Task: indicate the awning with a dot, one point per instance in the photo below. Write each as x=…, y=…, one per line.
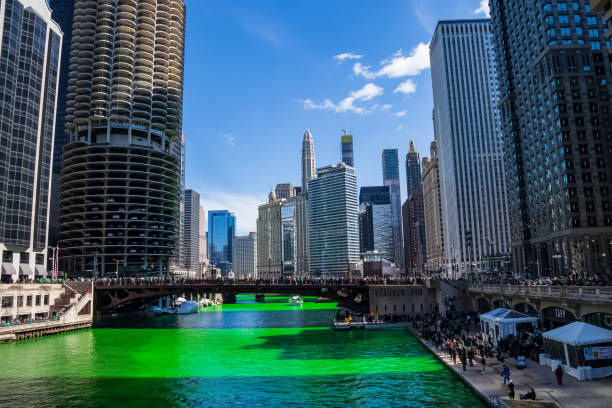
x=41, y=270
x=579, y=334
x=25, y=270
x=8, y=269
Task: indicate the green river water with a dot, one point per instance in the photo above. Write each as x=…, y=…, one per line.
x=242, y=355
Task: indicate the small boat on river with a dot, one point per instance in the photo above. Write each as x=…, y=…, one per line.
x=295, y=301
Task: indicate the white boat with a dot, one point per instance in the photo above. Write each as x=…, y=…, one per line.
x=188, y=306
x=295, y=300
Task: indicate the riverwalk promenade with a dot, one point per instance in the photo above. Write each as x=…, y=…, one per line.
x=573, y=393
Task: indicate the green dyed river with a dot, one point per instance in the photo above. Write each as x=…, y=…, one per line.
x=244, y=355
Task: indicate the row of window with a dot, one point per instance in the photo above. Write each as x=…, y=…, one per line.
x=8, y=302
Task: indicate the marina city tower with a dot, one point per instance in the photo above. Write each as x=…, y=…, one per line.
x=120, y=178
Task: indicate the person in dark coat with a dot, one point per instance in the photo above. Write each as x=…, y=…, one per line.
x=559, y=375
x=531, y=395
x=511, y=389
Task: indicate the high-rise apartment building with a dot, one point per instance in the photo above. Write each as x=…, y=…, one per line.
x=474, y=208
x=284, y=191
x=120, y=190
x=191, y=228
x=308, y=160
x=269, y=238
x=221, y=232
x=245, y=256
x=391, y=178
x=554, y=75
x=375, y=221
x=30, y=46
x=62, y=12
x=346, y=144
x=432, y=203
x=178, y=150
x=333, y=220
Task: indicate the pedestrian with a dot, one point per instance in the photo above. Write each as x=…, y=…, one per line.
x=511, y=389
x=559, y=374
x=471, y=356
x=484, y=363
x=506, y=374
x=531, y=395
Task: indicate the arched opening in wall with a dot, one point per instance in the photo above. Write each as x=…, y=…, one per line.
x=526, y=308
x=483, y=305
x=553, y=317
x=599, y=319
x=500, y=303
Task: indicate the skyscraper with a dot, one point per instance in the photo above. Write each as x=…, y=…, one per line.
x=284, y=190
x=308, y=160
x=221, y=232
x=294, y=232
x=347, y=150
x=62, y=12
x=391, y=178
x=269, y=238
x=30, y=45
x=413, y=215
x=120, y=188
x=191, y=238
x=333, y=220
x=413, y=170
x=245, y=255
x=472, y=182
x=178, y=150
x=432, y=202
x=556, y=121
x=375, y=221
x=203, y=244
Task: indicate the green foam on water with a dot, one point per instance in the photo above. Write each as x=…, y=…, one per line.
x=259, y=307
x=211, y=353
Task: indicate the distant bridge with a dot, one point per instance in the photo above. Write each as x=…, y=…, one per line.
x=117, y=296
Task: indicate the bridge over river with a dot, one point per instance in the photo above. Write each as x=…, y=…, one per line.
x=115, y=296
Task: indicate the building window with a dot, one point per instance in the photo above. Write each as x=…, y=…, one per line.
x=29, y=300
x=46, y=299
x=7, y=302
x=37, y=302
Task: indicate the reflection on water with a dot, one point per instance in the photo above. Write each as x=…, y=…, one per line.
x=241, y=355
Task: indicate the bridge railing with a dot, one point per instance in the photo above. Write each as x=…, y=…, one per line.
x=587, y=293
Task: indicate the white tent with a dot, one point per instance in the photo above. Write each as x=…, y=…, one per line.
x=584, y=350
x=500, y=323
x=579, y=334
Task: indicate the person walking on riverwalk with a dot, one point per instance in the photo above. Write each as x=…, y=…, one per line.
x=470, y=355
x=484, y=363
x=506, y=374
x=559, y=375
x=463, y=357
x=511, y=389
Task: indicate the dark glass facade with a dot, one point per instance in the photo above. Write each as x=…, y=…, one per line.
x=29, y=63
x=221, y=232
x=347, y=150
x=554, y=80
x=62, y=12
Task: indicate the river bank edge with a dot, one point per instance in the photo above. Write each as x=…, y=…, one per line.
x=466, y=381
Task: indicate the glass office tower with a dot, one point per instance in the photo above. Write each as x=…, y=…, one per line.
x=391, y=178
x=221, y=232
x=30, y=45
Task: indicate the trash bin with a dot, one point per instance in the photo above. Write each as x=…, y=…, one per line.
x=521, y=363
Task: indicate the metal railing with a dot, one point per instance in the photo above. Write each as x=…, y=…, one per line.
x=594, y=293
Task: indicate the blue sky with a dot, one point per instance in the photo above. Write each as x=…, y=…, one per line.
x=258, y=73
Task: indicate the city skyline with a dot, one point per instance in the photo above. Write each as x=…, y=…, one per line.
x=287, y=78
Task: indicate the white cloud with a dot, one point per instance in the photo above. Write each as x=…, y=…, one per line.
x=386, y=107
x=483, y=9
x=398, y=65
x=347, y=56
x=364, y=71
x=408, y=87
x=243, y=206
x=400, y=114
x=400, y=127
x=368, y=92
x=228, y=139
